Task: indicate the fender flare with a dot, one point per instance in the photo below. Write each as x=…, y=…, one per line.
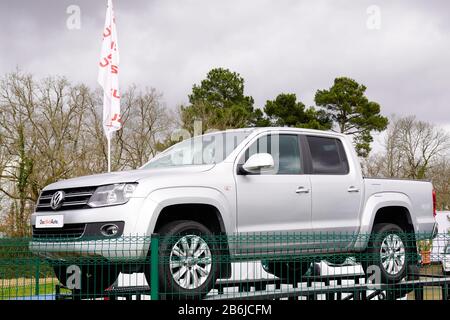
x=165, y=197
x=373, y=205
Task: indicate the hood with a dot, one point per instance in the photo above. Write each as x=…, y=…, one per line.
x=123, y=177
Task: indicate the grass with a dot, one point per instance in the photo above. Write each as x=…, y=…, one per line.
x=27, y=288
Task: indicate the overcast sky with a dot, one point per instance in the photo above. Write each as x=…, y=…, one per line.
x=277, y=46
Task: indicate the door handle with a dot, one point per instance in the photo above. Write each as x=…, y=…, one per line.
x=353, y=189
x=302, y=190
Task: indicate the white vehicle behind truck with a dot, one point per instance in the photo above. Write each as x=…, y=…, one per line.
x=247, y=181
x=445, y=260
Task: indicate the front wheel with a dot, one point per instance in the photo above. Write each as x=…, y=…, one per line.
x=189, y=259
x=387, y=252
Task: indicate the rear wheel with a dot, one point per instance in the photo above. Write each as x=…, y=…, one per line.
x=189, y=260
x=389, y=252
x=88, y=279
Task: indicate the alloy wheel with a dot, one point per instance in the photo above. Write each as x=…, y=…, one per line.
x=190, y=262
x=393, y=254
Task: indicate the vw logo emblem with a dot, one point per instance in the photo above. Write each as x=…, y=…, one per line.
x=57, y=200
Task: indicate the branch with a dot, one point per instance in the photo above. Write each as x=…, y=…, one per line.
x=9, y=195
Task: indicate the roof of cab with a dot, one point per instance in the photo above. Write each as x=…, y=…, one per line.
x=257, y=130
x=262, y=129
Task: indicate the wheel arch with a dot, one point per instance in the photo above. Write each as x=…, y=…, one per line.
x=209, y=216
x=205, y=214
x=386, y=207
x=203, y=205
x=398, y=215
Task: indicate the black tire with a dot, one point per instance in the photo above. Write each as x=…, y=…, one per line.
x=171, y=235
x=372, y=255
x=288, y=271
x=95, y=279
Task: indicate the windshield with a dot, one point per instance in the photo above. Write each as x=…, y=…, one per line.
x=207, y=149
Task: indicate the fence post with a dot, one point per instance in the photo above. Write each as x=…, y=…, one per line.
x=154, y=264
x=36, y=276
x=418, y=292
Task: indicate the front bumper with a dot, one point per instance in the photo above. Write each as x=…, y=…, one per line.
x=81, y=231
x=131, y=244
x=125, y=248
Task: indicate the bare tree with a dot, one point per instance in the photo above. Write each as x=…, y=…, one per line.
x=440, y=175
x=373, y=166
x=393, y=160
x=410, y=148
x=52, y=130
x=16, y=94
x=416, y=150
x=146, y=121
x=420, y=143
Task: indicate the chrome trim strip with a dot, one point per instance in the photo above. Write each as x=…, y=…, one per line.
x=74, y=203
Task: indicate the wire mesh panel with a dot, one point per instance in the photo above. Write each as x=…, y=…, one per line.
x=388, y=264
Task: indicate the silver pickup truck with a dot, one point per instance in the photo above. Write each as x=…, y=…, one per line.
x=267, y=181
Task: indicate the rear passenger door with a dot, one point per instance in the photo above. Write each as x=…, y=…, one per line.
x=336, y=190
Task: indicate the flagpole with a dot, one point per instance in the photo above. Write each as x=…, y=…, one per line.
x=108, y=78
x=109, y=152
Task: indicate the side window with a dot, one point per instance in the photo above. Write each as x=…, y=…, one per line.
x=284, y=149
x=327, y=155
x=343, y=157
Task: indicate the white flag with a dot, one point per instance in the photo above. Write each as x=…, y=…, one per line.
x=108, y=75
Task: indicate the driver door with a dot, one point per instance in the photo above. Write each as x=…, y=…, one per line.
x=278, y=201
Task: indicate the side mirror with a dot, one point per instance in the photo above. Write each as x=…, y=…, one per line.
x=258, y=162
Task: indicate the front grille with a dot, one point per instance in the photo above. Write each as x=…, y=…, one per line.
x=69, y=231
x=75, y=198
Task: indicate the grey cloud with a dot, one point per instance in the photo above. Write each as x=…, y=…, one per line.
x=277, y=46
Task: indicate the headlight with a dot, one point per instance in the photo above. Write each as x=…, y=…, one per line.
x=112, y=195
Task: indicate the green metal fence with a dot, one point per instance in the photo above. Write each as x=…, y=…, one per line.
x=390, y=265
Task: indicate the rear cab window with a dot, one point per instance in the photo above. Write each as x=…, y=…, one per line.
x=327, y=156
